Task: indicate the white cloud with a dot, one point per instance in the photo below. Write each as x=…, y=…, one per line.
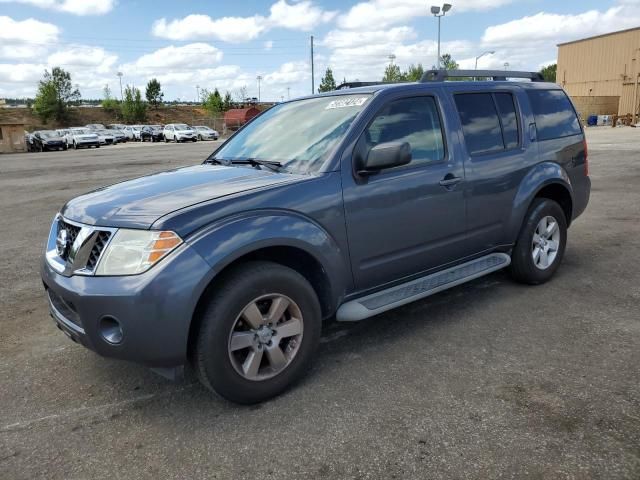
x=290, y=72
x=21, y=72
x=27, y=31
x=75, y=7
x=554, y=28
x=82, y=56
x=268, y=45
x=228, y=29
x=192, y=56
x=353, y=39
x=384, y=13
x=303, y=15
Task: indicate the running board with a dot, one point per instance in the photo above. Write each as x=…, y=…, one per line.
x=393, y=297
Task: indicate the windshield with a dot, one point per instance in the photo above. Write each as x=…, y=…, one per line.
x=48, y=134
x=181, y=126
x=82, y=131
x=300, y=134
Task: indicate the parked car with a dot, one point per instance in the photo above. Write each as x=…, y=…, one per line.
x=206, y=133
x=151, y=133
x=46, y=140
x=379, y=196
x=119, y=136
x=179, y=132
x=96, y=126
x=132, y=132
x=82, y=137
x=106, y=136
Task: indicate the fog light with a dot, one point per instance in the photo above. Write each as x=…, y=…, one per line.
x=111, y=330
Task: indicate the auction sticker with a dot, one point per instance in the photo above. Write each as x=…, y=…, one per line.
x=347, y=102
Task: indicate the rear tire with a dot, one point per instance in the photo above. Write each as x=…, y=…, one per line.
x=283, y=355
x=541, y=243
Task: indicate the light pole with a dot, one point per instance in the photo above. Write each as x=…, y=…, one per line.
x=120, y=76
x=391, y=58
x=259, y=78
x=490, y=52
x=506, y=66
x=197, y=93
x=288, y=93
x=440, y=12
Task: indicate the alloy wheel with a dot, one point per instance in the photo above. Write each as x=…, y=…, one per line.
x=265, y=337
x=545, y=243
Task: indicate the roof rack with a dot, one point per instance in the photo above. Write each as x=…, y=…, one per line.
x=496, y=75
x=347, y=85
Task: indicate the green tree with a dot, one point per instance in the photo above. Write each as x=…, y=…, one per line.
x=212, y=102
x=328, y=83
x=392, y=74
x=448, y=63
x=154, y=93
x=549, y=72
x=227, y=103
x=134, y=109
x=414, y=73
x=109, y=104
x=55, y=94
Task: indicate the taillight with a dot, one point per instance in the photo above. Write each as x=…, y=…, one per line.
x=586, y=158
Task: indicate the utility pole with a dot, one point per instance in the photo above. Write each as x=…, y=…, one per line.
x=259, y=78
x=391, y=58
x=197, y=93
x=288, y=93
x=313, y=82
x=121, y=96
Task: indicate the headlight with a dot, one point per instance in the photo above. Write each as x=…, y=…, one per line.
x=135, y=251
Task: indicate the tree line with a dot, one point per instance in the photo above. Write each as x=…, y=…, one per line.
x=394, y=74
x=56, y=95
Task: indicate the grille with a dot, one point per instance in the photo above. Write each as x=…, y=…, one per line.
x=72, y=232
x=101, y=241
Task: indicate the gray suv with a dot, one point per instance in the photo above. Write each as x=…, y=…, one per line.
x=343, y=205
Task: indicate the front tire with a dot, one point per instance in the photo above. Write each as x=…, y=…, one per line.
x=258, y=333
x=541, y=243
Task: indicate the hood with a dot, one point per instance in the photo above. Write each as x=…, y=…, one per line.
x=185, y=132
x=54, y=139
x=140, y=202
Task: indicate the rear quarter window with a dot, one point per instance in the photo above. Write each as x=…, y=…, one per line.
x=554, y=114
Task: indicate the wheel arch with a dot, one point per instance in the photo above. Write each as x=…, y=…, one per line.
x=545, y=180
x=285, y=239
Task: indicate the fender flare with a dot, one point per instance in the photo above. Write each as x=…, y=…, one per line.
x=227, y=240
x=539, y=177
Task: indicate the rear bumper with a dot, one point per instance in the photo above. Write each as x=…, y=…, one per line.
x=154, y=310
x=581, y=194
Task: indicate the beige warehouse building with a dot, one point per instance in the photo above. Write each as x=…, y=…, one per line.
x=602, y=73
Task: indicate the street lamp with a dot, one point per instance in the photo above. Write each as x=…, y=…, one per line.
x=506, y=66
x=197, y=93
x=120, y=76
x=440, y=12
x=490, y=52
x=259, y=78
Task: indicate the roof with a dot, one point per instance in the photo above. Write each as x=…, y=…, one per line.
x=599, y=36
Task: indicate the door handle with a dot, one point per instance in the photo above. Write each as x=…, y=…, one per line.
x=450, y=181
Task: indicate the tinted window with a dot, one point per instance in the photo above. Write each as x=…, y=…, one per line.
x=507, y=110
x=554, y=114
x=412, y=120
x=480, y=122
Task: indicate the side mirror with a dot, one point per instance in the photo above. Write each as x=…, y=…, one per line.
x=386, y=155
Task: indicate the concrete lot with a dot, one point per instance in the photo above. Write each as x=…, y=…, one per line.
x=488, y=380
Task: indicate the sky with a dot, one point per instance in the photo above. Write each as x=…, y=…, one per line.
x=226, y=44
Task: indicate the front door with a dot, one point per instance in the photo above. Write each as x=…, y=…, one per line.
x=408, y=219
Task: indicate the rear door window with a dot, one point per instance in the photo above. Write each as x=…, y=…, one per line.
x=554, y=114
x=508, y=118
x=480, y=122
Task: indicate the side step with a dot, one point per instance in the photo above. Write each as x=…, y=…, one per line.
x=393, y=297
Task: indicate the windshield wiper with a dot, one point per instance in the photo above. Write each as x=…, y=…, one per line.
x=254, y=162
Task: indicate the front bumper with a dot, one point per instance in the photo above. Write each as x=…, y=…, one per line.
x=154, y=309
x=87, y=143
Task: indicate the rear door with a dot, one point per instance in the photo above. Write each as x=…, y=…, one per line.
x=496, y=160
x=407, y=219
